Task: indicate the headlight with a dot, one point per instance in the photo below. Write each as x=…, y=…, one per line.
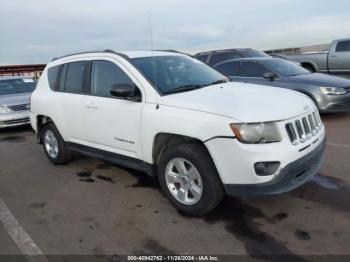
x=4, y=109
x=333, y=90
x=258, y=133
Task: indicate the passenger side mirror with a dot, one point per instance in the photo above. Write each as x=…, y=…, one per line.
x=270, y=76
x=126, y=91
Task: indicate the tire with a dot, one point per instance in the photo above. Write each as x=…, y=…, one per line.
x=62, y=155
x=193, y=155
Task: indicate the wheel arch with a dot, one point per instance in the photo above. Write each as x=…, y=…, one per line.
x=162, y=141
x=309, y=65
x=41, y=121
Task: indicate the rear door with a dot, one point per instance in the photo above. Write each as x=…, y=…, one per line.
x=339, y=58
x=71, y=91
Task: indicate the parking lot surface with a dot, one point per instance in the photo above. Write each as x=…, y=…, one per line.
x=92, y=207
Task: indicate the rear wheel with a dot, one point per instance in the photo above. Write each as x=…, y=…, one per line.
x=54, y=146
x=189, y=179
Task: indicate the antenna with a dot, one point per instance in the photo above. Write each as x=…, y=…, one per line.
x=152, y=50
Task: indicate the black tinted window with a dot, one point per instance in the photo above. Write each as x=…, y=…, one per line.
x=229, y=69
x=74, y=77
x=343, y=46
x=202, y=58
x=52, y=73
x=220, y=57
x=62, y=81
x=251, y=69
x=104, y=76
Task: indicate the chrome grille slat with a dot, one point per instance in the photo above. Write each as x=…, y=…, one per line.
x=303, y=128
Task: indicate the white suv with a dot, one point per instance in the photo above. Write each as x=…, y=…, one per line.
x=174, y=117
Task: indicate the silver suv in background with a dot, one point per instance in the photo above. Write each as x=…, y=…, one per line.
x=15, y=95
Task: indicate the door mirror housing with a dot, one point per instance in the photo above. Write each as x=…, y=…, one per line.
x=270, y=76
x=126, y=91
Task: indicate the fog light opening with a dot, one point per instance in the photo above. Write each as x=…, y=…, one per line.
x=266, y=168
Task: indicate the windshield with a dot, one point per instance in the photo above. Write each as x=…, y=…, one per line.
x=286, y=68
x=172, y=74
x=15, y=86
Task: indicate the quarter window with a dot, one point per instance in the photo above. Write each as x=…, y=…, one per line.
x=52, y=73
x=251, y=69
x=104, y=75
x=74, y=77
x=343, y=46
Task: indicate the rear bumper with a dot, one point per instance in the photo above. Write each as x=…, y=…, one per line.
x=292, y=176
x=14, y=119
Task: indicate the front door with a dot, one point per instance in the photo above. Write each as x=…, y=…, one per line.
x=111, y=124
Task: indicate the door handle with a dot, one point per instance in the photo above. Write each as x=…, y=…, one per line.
x=91, y=106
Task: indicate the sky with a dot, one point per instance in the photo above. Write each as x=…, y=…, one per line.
x=35, y=31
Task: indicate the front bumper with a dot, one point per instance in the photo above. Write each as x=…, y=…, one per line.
x=334, y=103
x=291, y=176
x=14, y=119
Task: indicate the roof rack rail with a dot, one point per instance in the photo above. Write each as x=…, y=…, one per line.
x=172, y=51
x=89, y=52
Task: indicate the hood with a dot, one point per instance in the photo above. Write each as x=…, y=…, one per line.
x=319, y=79
x=15, y=99
x=243, y=102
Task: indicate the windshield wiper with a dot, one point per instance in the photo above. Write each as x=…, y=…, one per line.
x=224, y=80
x=184, y=88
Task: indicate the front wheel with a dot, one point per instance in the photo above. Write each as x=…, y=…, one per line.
x=189, y=179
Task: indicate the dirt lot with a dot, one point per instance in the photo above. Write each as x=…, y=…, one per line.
x=91, y=207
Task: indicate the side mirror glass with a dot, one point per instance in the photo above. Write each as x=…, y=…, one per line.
x=270, y=76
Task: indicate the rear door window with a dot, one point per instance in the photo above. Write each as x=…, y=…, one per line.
x=343, y=46
x=75, y=77
x=229, y=69
x=251, y=69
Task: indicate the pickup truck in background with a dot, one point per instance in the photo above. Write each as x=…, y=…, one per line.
x=334, y=61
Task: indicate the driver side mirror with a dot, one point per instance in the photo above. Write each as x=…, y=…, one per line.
x=126, y=91
x=270, y=76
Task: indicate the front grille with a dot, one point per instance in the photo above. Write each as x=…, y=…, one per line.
x=21, y=107
x=304, y=128
x=17, y=121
